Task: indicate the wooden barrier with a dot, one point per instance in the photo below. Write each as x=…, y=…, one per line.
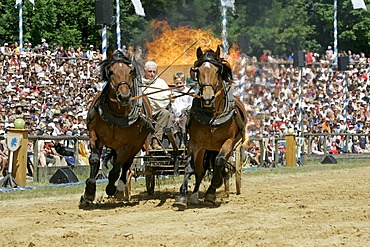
x=290, y=152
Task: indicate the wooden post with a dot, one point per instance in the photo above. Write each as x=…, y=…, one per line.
x=19, y=165
x=290, y=152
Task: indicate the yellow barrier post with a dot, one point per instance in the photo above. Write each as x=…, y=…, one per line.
x=20, y=157
x=290, y=153
x=17, y=142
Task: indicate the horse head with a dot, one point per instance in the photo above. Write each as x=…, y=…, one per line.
x=120, y=74
x=208, y=70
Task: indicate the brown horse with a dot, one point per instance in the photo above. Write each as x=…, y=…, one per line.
x=216, y=123
x=117, y=122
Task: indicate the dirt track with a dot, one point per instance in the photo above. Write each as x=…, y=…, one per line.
x=330, y=208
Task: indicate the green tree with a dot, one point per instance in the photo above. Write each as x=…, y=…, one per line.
x=281, y=26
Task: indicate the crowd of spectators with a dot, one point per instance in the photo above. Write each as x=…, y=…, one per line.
x=333, y=101
x=51, y=87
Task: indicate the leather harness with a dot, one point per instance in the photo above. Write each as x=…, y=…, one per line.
x=231, y=110
x=120, y=120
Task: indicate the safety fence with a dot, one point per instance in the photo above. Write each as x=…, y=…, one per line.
x=272, y=150
x=41, y=173
x=315, y=146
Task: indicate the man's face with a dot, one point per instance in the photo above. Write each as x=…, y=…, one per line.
x=150, y=72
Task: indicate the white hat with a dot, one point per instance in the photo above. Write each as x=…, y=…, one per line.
x=43, y=40
x=91, y=46
x=5, y=44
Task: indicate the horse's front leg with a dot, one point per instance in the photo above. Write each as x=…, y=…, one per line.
x=181, y=202
x=182, y=199
x=218, y=169
x=199, y=174
x=94, y=162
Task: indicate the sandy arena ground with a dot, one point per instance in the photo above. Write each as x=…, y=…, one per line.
x=328, y=208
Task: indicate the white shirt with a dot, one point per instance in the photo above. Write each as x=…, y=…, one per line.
x=158, y=100
x=182, y=101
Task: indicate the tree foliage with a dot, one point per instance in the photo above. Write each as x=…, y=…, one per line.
x=281, y=26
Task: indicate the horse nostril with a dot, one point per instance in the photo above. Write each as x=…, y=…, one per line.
x=208, y=100
x=124, y=98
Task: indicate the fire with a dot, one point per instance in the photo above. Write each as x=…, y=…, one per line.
x=178, y=45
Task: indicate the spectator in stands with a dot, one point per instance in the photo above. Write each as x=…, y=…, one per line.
x=48, y=156
x=44, y=45
x=90, y=53
x=3, y=157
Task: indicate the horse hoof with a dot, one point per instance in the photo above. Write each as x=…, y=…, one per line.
x=88, y=197
x=84, y=202
x=194, y=198
x=219, y=184
x=119, y=195
x=180, y=204
x=210, y=198
x=110, y=190
x=177, y=206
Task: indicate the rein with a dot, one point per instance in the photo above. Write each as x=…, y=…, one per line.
x=171, y=64
x=162, y=90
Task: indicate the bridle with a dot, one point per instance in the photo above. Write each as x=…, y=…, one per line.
x=117, y=117
x=121, y=83
x=194, y=71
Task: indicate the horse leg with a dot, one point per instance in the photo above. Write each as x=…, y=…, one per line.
x=90, y=189
x=123, y=191
x=112, y=177
x=200, y=171
x=182, y=199
x=130, y=173
x=217, y=179
x=218, y=169
x=194, y=197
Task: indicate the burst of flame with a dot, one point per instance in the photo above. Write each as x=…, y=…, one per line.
x=169, y=44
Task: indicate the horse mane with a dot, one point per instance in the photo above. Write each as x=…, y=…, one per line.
x=226, y=74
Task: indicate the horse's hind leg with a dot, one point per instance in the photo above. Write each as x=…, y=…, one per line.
x=90, y=189
x=130, y=174
x=194, y=197
x=218, y=170
x=124, y=185
x=112, y=178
